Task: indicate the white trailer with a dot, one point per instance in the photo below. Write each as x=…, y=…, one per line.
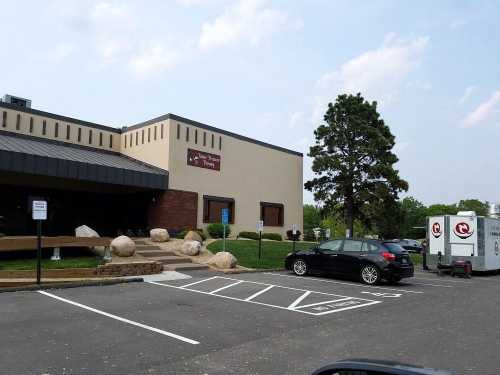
x=470, y=238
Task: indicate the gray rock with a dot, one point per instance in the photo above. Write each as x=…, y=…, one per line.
x=191, y=247
x=159, y=235
x=86, y=231
x=223, y=260
x=123, y=246
x=193, y=236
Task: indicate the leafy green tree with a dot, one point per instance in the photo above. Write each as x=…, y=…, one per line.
x=481, y=208
x=353, y=160
x=312, y=217
x=441, y=209
x=414, y=220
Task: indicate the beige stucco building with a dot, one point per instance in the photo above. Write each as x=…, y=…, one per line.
x=166, y=172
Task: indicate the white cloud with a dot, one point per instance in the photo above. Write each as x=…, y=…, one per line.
x=244, y=21
x=458, y=24
x=114, y=26
x=154, y=59
x=467, y=94
x=296, y=119
x=378, y=74
x=489, y=110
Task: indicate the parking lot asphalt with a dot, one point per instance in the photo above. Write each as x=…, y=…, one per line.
x=257, y=323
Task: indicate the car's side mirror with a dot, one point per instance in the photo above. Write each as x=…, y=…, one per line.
x=374, y=367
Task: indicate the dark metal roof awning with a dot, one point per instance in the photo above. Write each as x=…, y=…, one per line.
x=31, y=155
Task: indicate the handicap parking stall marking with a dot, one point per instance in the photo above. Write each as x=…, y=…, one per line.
x=297, y=300
x=358, y=285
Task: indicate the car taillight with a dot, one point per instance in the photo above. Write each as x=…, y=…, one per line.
x=390, y=257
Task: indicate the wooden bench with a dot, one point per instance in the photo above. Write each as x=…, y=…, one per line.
x=20, y=243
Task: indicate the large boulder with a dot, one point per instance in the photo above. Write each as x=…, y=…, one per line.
x=193, y=236
x=191, y=247
x=123, y=246
x=223, y=259
x=159, y=235
x=86, y=231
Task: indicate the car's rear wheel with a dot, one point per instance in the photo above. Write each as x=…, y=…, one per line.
x=300, y=267
x=370, y=274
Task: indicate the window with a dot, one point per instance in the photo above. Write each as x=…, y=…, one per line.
x=161, y=131
x=100, y=138
x=31, y=124
x=220, y=143
x=371, y=247
x=149, y=135
x=68, y=132
x=178, y=131
x=187, y=134
x=212, y=141
x=330, y=246
x=18, y=121
x=204, y=138
x=352, y=245
x=79, y=134
x=131, y=136
x=90, y=137
x=136, y=138
x=212, y=209
x=111, y=141
x=4, y=119
x=271, y=214
x=196, y=136
x=155, y=134
x=44, y=127
x=56, y=129
x=142, y=136
x=125, y=141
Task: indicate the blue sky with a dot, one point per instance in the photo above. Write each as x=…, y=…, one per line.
x=267, y=69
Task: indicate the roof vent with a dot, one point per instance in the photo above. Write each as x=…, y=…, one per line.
x=494, y=210
x=15, y=100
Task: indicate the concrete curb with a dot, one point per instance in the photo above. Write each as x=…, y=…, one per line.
x=71, y=284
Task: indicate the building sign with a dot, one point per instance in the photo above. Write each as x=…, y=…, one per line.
x=203, y=159
x=39, y=210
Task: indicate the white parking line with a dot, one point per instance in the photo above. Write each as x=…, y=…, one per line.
x=225, y=287
x=198, y=282
x=343, y=283
x=438, y=285
x=298, y=300
x=259, y=293
x=342, y=301
x=112, y=316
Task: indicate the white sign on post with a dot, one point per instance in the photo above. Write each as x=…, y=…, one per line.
x=328, y=233
x=294, y=229
x=260, y=226
x=39, y=210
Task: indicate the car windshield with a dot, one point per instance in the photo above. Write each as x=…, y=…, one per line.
x=393, y=247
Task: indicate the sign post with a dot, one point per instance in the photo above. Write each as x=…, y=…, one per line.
x=260, y=228
x=328, y=233
x=225, y=221
x=294, y=235
x=39, y=214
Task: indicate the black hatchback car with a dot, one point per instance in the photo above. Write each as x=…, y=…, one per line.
x=364, y=259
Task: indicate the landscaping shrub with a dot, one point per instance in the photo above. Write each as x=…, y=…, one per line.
x=272, y=236
x=309, y=235
x=250, y=235
x=290, y=236
x=216, y=230
x=182, y=233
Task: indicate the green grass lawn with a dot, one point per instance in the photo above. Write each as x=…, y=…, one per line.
x=30, y=264
x=273, y=252
x=246, y=251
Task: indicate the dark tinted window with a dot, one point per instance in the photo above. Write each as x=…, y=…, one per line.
x=352, y=245
x=369, y=246
x=393, y=247
x=330, y=246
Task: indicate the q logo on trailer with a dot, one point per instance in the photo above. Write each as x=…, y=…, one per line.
x=463, y=230
x=436, y=230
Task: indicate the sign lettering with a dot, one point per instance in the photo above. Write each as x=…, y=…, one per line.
x=202, y=159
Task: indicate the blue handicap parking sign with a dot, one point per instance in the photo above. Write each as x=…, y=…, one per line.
x=225, y=216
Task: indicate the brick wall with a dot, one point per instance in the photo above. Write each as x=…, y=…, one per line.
x=174, y=209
